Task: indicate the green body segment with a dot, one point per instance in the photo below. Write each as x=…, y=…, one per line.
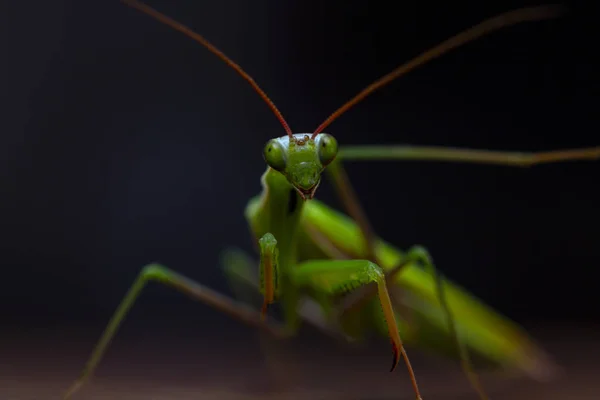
x=312, y=231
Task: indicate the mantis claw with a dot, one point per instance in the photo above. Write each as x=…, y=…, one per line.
x=395, y=359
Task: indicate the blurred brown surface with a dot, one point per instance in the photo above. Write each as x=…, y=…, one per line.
x=32, y=368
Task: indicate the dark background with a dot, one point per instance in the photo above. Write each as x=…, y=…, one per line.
x=124, y=142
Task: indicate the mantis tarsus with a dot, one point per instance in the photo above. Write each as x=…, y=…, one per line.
x=310, y=251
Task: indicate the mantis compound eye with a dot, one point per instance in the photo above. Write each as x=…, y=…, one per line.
x=328, y=148
x=274, y=155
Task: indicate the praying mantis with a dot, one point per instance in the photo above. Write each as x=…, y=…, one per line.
x=310, y=252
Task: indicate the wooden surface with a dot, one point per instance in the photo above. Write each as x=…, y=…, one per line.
x=230, y=367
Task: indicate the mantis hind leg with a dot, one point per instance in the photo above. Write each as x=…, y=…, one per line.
x=162, y=274
x=421, y=256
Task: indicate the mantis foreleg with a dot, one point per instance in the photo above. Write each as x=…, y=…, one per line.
x=241, y=274
x=340, y=276
x=420, y=256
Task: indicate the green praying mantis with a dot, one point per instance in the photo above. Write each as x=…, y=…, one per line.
x=360, y=283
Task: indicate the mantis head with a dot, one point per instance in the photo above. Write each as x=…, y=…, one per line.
x=301, y=159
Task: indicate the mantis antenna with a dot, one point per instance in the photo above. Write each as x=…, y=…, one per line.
x=200, y=39
x=479, y=30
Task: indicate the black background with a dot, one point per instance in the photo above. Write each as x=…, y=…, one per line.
x=124, y=142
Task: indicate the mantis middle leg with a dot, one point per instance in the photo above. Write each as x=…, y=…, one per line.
x=166, y=276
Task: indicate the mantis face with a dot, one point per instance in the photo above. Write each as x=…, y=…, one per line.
x=301, y=159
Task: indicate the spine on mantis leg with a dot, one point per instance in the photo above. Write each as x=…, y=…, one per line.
x=269, y=271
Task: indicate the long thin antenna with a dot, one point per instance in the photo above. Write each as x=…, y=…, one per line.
x=188, y=32
x=479, y=30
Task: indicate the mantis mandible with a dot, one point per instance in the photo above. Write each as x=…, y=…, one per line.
x=311, y=252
